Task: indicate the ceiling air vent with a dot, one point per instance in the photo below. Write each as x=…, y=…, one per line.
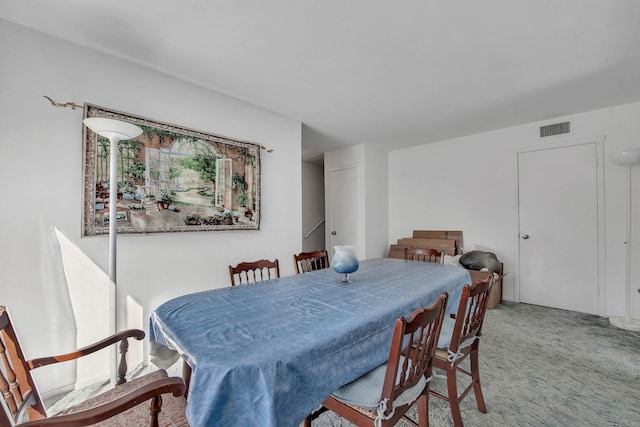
x=555, y=129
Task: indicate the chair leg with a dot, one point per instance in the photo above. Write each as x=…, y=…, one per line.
x=454, y=403
x=423, y=410
x=186, y=377
x=475, y=375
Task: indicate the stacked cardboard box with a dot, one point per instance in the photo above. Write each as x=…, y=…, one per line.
x=448, y=241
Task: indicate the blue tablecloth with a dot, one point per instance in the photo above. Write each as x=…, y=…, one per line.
x=267, y=354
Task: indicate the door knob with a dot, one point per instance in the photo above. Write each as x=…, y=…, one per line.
x=333, y=233
x=525, y=236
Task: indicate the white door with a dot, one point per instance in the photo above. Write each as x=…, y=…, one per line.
x=343, y=209
x=558, y=221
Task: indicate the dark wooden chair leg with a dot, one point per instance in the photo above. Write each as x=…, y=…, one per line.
x=122, y=366
x=454, y=402
x=186, y=377
x=423, y=410
x=154, y=410
x=475, y=375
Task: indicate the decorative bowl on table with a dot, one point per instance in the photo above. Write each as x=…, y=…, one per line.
x=345, y=261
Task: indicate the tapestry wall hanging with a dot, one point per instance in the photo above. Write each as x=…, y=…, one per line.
x=170, y=179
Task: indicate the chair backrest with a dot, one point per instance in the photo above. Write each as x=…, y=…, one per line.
x=19, y=392
x=412, y=349
x=471, y=311
x=426, y=255
x=250, y=272
x=311, y=261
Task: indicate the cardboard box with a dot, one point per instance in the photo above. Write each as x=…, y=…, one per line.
x=455, y=235
x=396, y=251
x=448, y=246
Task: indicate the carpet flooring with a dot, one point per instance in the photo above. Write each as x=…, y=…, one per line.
x=541, y=366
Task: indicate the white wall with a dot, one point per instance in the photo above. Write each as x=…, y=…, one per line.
x=41, y=185
x=312, y=206
x=469, y=184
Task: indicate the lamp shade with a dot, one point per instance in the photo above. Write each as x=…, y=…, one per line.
x=111, y=128
x=626, y=158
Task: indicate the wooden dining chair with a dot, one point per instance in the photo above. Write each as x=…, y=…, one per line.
x=382, y=397
x=425, y=255
x=310, y=261
x=460, y=339
x=119, y=406
x=251, y=272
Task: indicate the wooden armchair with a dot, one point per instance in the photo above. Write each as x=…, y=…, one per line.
x=311, y=261
x=251, y=272
x=119, y=406
x=425, y=255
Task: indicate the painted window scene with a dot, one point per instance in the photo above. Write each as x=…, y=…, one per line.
x=171, y=179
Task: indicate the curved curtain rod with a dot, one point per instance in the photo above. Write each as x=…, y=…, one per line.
x=74, y=106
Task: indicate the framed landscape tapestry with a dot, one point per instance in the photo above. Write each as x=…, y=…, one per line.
x=170, y=179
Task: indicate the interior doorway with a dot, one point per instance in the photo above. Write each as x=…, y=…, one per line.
x=313, y=213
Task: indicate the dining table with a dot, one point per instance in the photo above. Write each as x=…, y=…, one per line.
x=267, y=354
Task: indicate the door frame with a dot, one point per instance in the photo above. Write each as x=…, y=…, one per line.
x=599, y=146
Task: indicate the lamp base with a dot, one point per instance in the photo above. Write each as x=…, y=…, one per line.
x=625, y=323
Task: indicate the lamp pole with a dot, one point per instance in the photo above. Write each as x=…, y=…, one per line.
x=627, y=308
x=627, y=159
x=115, y=131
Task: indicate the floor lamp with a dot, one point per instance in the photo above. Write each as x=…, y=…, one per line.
x=114, y=131
x=627, y=159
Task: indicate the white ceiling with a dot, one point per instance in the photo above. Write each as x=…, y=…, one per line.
x=393, y=73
